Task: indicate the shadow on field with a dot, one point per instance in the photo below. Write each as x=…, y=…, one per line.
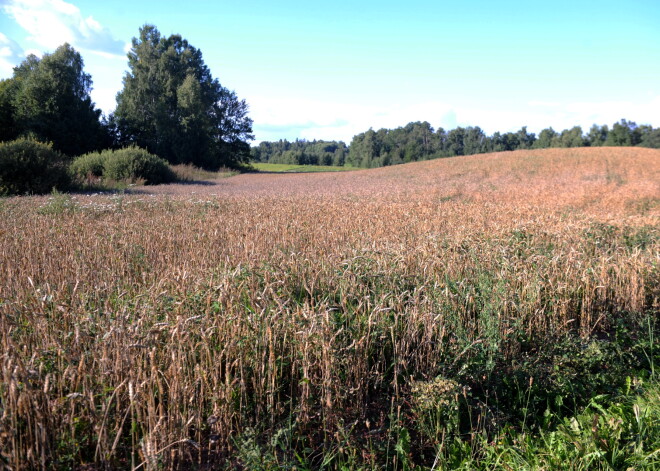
x=294, y=172
x=154, y=189
x=195, y=182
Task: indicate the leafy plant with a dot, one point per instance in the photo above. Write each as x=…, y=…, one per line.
x=88, y=166
x=131, y=164
x=29, y=166
x=435, y=405
x=59, y=204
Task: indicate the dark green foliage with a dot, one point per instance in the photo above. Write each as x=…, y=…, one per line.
x=411, y=143
x=455, y=142
x=546, y=139
x=88, y=165
x=526, y=139
x=49, y=98
x=570, y=138
x=30, y=166
x=365, y=148
x=559, y=379
x=597, y=135
x=173, y=107
x=8, y=127
x=504, y=142
x=134, y=164
x=617, y=432
x=624, y=133
x=650, y=137
x=418, y=141
x=131, y=164
x=301, y=152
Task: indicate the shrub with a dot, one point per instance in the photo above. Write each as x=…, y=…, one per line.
x=88, y=166
x=30, y=166
x=131, y=164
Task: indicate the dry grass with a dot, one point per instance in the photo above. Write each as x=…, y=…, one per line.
x=188, y=173
x=158, y=328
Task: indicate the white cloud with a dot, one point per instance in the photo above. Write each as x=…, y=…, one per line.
x=35, y=52
x=561, y=116
x=612, y=111
x=279, y=118
x=286, y=117
x=544, y=104
x=10, y=55
x=51, y=23
x=103, y=95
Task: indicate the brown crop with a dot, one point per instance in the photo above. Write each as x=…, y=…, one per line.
x=156, y=327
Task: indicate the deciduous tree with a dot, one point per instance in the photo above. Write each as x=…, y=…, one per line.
x=49, y=99
x=172, y=105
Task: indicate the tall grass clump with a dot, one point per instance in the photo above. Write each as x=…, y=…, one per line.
x=188, y=173
x=490, y=313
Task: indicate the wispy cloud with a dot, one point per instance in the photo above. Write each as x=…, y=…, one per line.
x=10, y=55
x=50, y=23
x=608, y=112
x=290, y=118
x=544, y=104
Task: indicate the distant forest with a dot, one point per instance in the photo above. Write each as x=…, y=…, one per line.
x=301, y=152
x=419, y=141
x=172, y=107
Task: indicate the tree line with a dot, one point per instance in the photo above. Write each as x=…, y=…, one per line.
x=419, y=141
x=170, y=105
x=301, y=152
x=173, y=107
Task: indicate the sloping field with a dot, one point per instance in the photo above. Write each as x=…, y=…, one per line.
x=386, y=318
x=566, y=174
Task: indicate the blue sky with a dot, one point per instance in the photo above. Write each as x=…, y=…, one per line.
x=329, y=70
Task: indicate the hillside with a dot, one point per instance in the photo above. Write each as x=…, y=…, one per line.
x=611, y=175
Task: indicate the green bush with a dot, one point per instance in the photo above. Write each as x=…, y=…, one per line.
x=28, y=166
x=88, y=166
x=131, y=164
x=135, y=164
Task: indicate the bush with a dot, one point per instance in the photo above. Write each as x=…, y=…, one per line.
x=135, y=164
x=32, y=167
x=131, y=164
x=88, y=166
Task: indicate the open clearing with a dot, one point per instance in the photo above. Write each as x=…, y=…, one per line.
x=268, y=320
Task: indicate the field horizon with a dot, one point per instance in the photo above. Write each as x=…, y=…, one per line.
x=533, y=173
x=458, y=313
